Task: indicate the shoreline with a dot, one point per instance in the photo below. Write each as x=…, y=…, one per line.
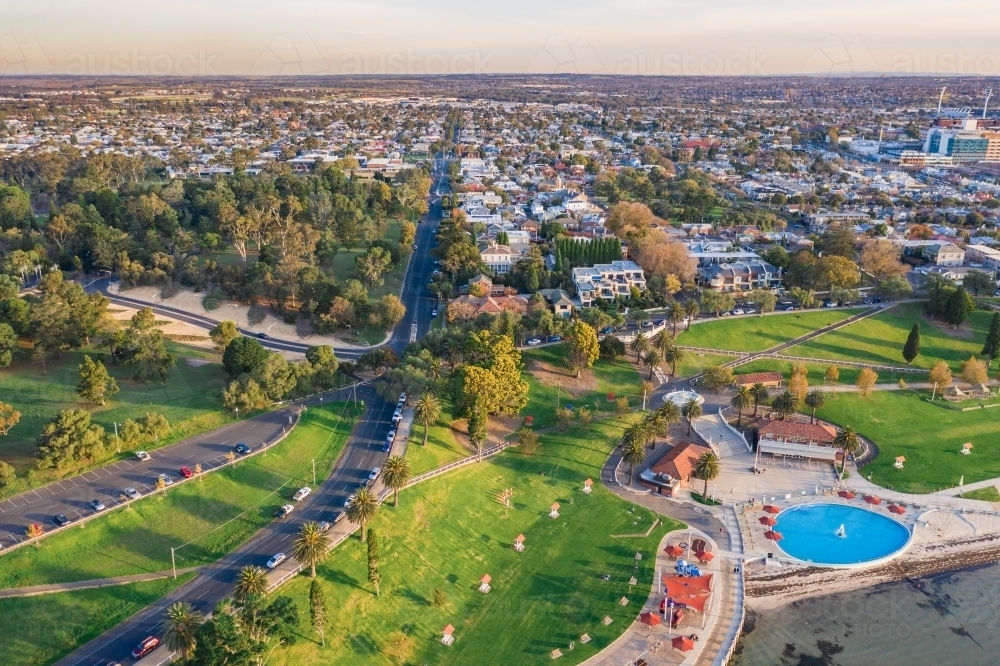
x=947, y=542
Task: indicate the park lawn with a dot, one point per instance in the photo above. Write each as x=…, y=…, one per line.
x=208, y=517
x=929, y=436
x=696, y=362
x=40, y=630
x=442, y=446
x=880, y=339
x=816, y=373
x=989, y=494
x=618, y=377
x=189, y=400
x=449, y=531
x=342, y=265
x=759, y=333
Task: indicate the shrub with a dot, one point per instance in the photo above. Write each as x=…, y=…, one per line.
x=256, y=314
x=212, y=301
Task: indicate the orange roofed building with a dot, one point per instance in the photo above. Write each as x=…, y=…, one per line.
x=675, y=469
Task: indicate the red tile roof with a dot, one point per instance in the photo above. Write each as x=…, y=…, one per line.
x=795, y=430
x=680, y=460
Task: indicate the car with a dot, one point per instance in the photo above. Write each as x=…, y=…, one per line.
x=391, y=436
x=660, y=322
x=242, y=449
x=435, y=272
x=61, y=519
x=374, y=473
x=132, y=493
x=554, y=338
x=534, y=341
x=284, y=511
x=738, y=311
x=145, y=647
x=401, y=399
x=185, y=472
x=324, y=526
x=647, y=324
x=276, y=560
x=751, y=310
x=397, y=415
x=788, y=308
x=263, y=336
x=96, y=505
x=414, y=246
x=725, y=314
x=301, y=494
x=434, y=313
x=607, y=330
x=386, y=447
x=829, y=304
x=350, y=500
x=166, y=478
x=339, y=516
x=142, y=456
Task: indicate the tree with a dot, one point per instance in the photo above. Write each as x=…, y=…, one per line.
x=836, y=272
x=741, y=400
x=848, y=441
x=325, y=365
x=974, y=371
x=144, y=347
x=275, y=376
x=311, y=546
x=396, y=473
x=181, y=628
x=634, y=454
x=250, y=582
x=426, y=411
x=69, y=438
x=691, y=410
x=716, y=302
x=656, y=425
x=611, y=347
x=387, y=311
x=244, y=394
x=223, y=333
x=880, y=258
x=243, y=355
x=373, y=264
x=9, y=417
x=979, y=282
x=717, y=377
x=832, y=373
x=798, y=384
x=912, y=347
x=706, y=468
x=940, y=375
x=958, y=307
x=317, y=609
x=785, y=404
x=814, y=400
x=8, y=341
x=866, y=381
x=894, y=287
x=584, y=348
x=991, y=348
x=7, y=474
x=673, y=356
x=761, y=396
x=363, y=509
x=439, y=599
x=652, y=359
x=95, y=384
x=639, y=344
x=374, y=575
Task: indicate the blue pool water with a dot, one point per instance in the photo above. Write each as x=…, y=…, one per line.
x=810, y=533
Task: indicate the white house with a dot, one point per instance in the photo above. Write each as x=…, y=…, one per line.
x=499, y=258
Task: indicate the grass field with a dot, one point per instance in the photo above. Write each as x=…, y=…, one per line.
x=929, y=436
x=213, y=515
x=442, y=446
x=693, y=363
x=450, y=531
x=880, y=339
x=759, y=333
x=618, y=377
x=189, y=399
x=40, y=630
x=985, y=494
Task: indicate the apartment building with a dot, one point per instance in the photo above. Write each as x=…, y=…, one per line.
x=945, y=254
x=607, y=281
x=740, y=276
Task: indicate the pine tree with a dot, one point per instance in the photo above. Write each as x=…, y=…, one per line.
x=991, y=349
x=317, y=609
x=374, y=576
x=912, y=347
x=95, y=384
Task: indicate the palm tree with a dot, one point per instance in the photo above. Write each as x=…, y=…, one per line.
x=639, y=344
x=706, y=468
x=636, y=432
x=250, y=582
x=662, y=341
x=426, y=411
x=657, y=426
x=673, y=356
x=363, y=509
x=652, y=359
x=691, y=410
x=847, y=440
x=761, y=396
x=742, y=399
x=814, y=400
x=785, y=403
x=311, y=546
x=670, y=413
x=634, y=453
x=675, y=313
x=181, y=626
x=691, y=309
x=435, y=369
x=396, y=474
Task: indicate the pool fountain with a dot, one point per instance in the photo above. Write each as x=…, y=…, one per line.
x=839, y=535
x=841, y=532
x=681, y=398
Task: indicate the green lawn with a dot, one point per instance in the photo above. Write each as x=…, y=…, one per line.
x=929, y=436
x=450, y=531
x=442, y=446
x=759, y=333
x=985, y=494
x=213, y=515
x=880, y=339
x=693, y=362
x=189, y=400
x=618, y=377
x=817, y=373
x=342, y=266
x=41, y=630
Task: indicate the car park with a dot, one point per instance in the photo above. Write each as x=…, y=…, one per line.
x=145, y=647
x=534, y=341
x=242, y=449
x=61, y=519
x=185, y=472
x=132, y=493
x=276, y=560
x=142, y=456
x=284, y=511
x=301, y=494
x=96, y=505
x=374, y=473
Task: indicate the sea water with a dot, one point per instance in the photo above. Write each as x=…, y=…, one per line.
x=950, y=618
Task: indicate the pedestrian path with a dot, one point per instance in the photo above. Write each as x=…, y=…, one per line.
x=36, y=590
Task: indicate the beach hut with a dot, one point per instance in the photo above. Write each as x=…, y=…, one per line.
x=484, y=584
x=554, y=510
x=588, y=486
x=519, y=543
x=652, y=619
x=682, y=643
x=899, y=462
x=966, y=448
x=448, y=635
x=767, y=520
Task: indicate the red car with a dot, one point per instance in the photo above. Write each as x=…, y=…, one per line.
x=186, y=472
x=146, y=647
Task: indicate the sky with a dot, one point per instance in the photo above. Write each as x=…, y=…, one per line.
x=676, y=37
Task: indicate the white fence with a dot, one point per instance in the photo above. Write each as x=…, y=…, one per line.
x=734, y=430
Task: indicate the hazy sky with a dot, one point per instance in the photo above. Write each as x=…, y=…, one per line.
x=210, y=37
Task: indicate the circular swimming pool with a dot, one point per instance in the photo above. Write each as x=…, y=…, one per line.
x=835, y=534
x=681, y=398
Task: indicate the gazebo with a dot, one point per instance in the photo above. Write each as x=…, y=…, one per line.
x=519, y=543
x=966, y=448
x=588, y=486
x=899, y=462
x=484, y=584
x=554, y=510
x=448, y=635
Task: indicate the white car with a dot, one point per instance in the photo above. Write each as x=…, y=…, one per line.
x=738, y=311
x=166, y=478
x=375, y=473
x=397, y=415
x=142, y=456
x=132, y=493
x=276, y=560
x=391, y=436
x=301, y=494
x=349, y=501
x=534, y=341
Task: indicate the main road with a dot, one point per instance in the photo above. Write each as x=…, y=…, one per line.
x=362, y=453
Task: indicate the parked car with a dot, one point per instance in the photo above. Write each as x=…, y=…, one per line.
x=386, y=447
x=607, y=330
x=750, y=310
x=391, y=437
x=725, y=314
x=61, y=519
x=434, y=312
x=96, y=505
x=339, y=516
x=350, y=500
x=142, y=456
x=829, y=304
x=324, y=526
x=242, y=449
x=301, y=494
x=263, y=336
x=554, y=338
x=788, y=308
x=647, y=324
x=166, y=478
x=145, y=647
x=397, y=415
x=660, y=322
x=402, y=398
x=374, y=473
x=276, y=560
x=284, y=511
x=185, y=472
x=132, y=493
x=414, y=246
x=738, y=311
x=534, y=341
